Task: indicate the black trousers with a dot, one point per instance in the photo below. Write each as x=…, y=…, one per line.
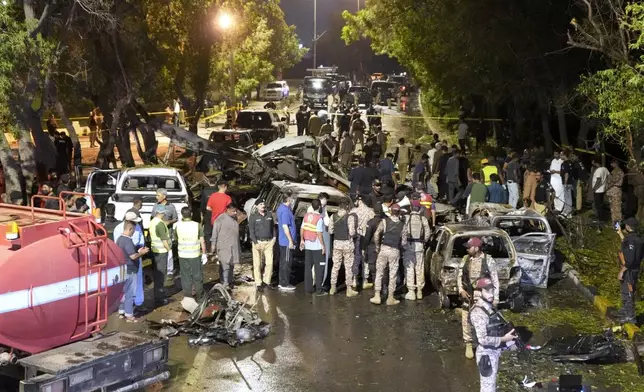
x=598, y=205
x=313, y=258
x=628, y=289
x=286, y=261
x=160, y=273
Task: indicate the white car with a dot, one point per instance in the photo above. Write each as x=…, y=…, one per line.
x=144, y=182
x=276, y=91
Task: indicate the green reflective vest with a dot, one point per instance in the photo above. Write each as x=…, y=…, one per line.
x=156, y=244
x=188, y=245
x=487, y=171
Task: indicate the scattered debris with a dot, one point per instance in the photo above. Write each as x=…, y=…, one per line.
x=216, y=318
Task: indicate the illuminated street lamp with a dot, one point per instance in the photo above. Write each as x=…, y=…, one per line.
x=225, y=23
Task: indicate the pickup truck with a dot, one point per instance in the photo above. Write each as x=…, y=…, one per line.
x=144, y=182
x=262, y=120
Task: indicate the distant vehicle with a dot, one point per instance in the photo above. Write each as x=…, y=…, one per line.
x=316, y=92
x=246, y=139
x=377, y=76
x=386, y=90
x=402, y=81
x=447, y=249
x=276, y=91
x=144, y=182
x=363, y=95
x=265, y=120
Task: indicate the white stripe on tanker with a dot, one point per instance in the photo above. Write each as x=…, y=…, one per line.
x=75, y=287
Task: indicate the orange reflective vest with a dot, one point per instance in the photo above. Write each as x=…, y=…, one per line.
x=426, y=201
x=310, y=226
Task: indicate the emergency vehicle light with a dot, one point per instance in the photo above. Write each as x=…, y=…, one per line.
x=12, y=231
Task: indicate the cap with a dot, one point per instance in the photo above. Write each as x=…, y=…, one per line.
x=474, y=241
x=160, y=209
x=484, y=283
x=395, y=208
x=259, y=201
x=132, y=217
x=632, y=222
x=376, y=182
x=484, y=161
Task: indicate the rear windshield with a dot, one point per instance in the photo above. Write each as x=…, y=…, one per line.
x=252, y=120
x=151, y=183
x=398, y=79
x=519, y=226
x=316, y=84
x=358, y=89
x=230, y=138
x=494, y=246
x=273, y=85
x=382, y=85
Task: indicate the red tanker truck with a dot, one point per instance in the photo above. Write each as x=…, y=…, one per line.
x=60, y=279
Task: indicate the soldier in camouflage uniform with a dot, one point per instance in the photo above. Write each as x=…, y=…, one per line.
x=369, y=247
x=488, y=331
x=363, y=213
x=473, y=266
x=343, y=228
x=614, y=191
x=413, y=258
x=393, y=231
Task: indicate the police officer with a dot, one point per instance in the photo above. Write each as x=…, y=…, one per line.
x=191, y=247
x=487, y=325
x=363, y=213
x=474, y=265
x=343, y=228
x=160, y=246
x=261, y=227
x=413, y=258
x=390, y=235
x=630, y=258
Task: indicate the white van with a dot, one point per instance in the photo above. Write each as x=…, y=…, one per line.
x=276, y=91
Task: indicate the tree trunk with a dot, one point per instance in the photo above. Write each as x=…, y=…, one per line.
x=12, y=174
x=519, y=124
x=27, y=152
x=561, y=121
x=544, y=112
x=584, y=128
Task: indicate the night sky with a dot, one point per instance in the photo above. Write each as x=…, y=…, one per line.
x=300, y=14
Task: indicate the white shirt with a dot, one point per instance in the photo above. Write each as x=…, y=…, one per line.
x=600, y=174
x=462, y=130
x=430, y=154
x=555, y=165
x=177, y=107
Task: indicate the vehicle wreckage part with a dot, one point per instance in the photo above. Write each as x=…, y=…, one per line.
x=144, y=383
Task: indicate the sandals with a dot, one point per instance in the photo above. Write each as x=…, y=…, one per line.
x=131, y=319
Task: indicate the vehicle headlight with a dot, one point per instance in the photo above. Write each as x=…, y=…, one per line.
x=56, y=386
x=81, y=377
x=152, y=356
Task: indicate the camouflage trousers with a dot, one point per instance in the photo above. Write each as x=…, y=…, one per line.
x=615, y=201
x=488, y=384
x=343, y=253
x=414, y=268
x=387, y=256
x=465, y=318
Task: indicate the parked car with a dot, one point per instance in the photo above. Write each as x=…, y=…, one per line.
x=261, y=120
x=276, y=91
x=386, y=90
x=361, y=94
x=402, y=81
x=246, y=139
x=144, y=182
x=447, y=249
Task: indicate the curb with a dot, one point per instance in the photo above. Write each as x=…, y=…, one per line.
x=601, y=303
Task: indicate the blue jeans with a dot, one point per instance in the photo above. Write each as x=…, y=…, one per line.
x=138, y=298
x=129, y=291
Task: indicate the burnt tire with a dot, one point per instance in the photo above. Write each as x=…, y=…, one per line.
x=443, y=298
x=517, y=304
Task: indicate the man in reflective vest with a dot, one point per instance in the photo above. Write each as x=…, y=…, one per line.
x=474, y=265
x=402, y=159
x=191, y=247
x=160, y=246
x=488, y=169
x=390, y=235
x=312, y=243
x=428, y=208
x=488, y=332
x=343, y=228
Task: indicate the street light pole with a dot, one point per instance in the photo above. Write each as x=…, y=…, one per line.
x=233, y=101
x=315, y=33
x=358, y=5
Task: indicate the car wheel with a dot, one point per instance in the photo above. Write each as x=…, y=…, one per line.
x=443, y=298
x=517, y=303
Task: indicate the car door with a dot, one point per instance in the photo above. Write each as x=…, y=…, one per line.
x=534, y=255
x=101, y=184
x=437, y=257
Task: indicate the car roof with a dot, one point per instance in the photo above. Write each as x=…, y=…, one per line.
x=305, y=189
x=237, y=130
x=460, y=229
x=284, y=142
x=151, y=171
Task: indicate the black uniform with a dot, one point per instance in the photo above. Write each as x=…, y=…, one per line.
x=632, y=251
x=301, y=118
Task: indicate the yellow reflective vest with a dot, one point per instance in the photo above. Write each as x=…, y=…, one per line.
x=488, y=170
x=188, y=244
x=156, y=244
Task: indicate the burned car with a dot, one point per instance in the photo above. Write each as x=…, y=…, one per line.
x=447, y=249
x=245, y=139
